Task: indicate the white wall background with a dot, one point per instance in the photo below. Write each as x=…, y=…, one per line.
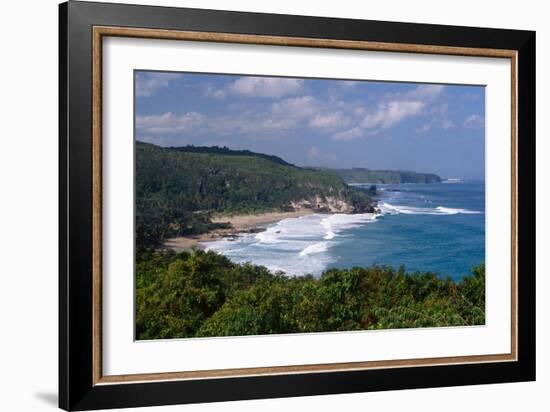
x=28, y=203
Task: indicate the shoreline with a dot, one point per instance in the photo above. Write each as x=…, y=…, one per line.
x=252, y=223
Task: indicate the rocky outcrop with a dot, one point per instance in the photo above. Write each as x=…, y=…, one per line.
x=332, y=204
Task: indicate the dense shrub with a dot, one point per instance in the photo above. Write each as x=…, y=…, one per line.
x=201, y=293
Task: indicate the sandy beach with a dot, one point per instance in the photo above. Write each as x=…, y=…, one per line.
x=239, y=224
x=242, y=222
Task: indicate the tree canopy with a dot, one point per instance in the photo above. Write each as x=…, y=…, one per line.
x=197, y=293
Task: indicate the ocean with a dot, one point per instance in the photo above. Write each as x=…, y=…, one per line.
x=425, y=227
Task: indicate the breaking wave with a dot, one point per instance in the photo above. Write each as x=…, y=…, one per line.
x=389, y=209
x=295, y=245
x=311, y=244
x=315, y=248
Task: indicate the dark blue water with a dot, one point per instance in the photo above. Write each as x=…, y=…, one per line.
x=415, y=233
x=426, y=227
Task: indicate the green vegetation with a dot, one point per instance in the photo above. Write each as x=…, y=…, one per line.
x=360, y=175
x=228, y=152
x=198, y=293
x=178, y=189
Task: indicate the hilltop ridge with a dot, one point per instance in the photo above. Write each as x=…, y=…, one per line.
x=363, y=175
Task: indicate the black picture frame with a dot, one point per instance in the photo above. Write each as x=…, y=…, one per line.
x=77, y=390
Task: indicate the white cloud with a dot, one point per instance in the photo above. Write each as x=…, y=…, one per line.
x=424, y=128
x=306, y=111
x=391, y=113
x=471, y=96
x=266, y=86
x=350, y=134
x=440, y=115
x=474, y=121
x=425, y=91
x=260, y=122
x=360, y=111
x=287, y=116
x=440, y=109
x=447, y=124
x=317, y=156
x=169, y=123
x=271, y=87
x=391, y=110
x=290, y=112
x=348, y=83
x=148, y=84
x=295, y=106
x=329, y=120
x=214, y=93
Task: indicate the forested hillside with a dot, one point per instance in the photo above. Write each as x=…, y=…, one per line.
x=178, y=189
x=200, y=293
x=360, y=175
x=227, y=152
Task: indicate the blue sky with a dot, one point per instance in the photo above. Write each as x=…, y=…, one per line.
x=319, y=122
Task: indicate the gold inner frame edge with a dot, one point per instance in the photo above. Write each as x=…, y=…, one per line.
x=102, y=31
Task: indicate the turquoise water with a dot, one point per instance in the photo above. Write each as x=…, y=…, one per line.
x=426, y=227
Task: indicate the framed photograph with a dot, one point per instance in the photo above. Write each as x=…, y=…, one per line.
x=256, y=206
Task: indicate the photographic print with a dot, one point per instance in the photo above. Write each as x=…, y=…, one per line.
x=272, y=205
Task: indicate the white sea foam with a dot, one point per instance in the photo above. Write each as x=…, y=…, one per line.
x=336, y=223
x=452, y=211
x=233, y=245
x=313, y=243
x=270, y=236
x=295, y=245
x=389, y=209
x=319, y=247
x=330, y=235
x=302, y=245
x=291, y=229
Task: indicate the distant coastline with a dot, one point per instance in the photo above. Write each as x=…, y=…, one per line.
x=360, y=175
